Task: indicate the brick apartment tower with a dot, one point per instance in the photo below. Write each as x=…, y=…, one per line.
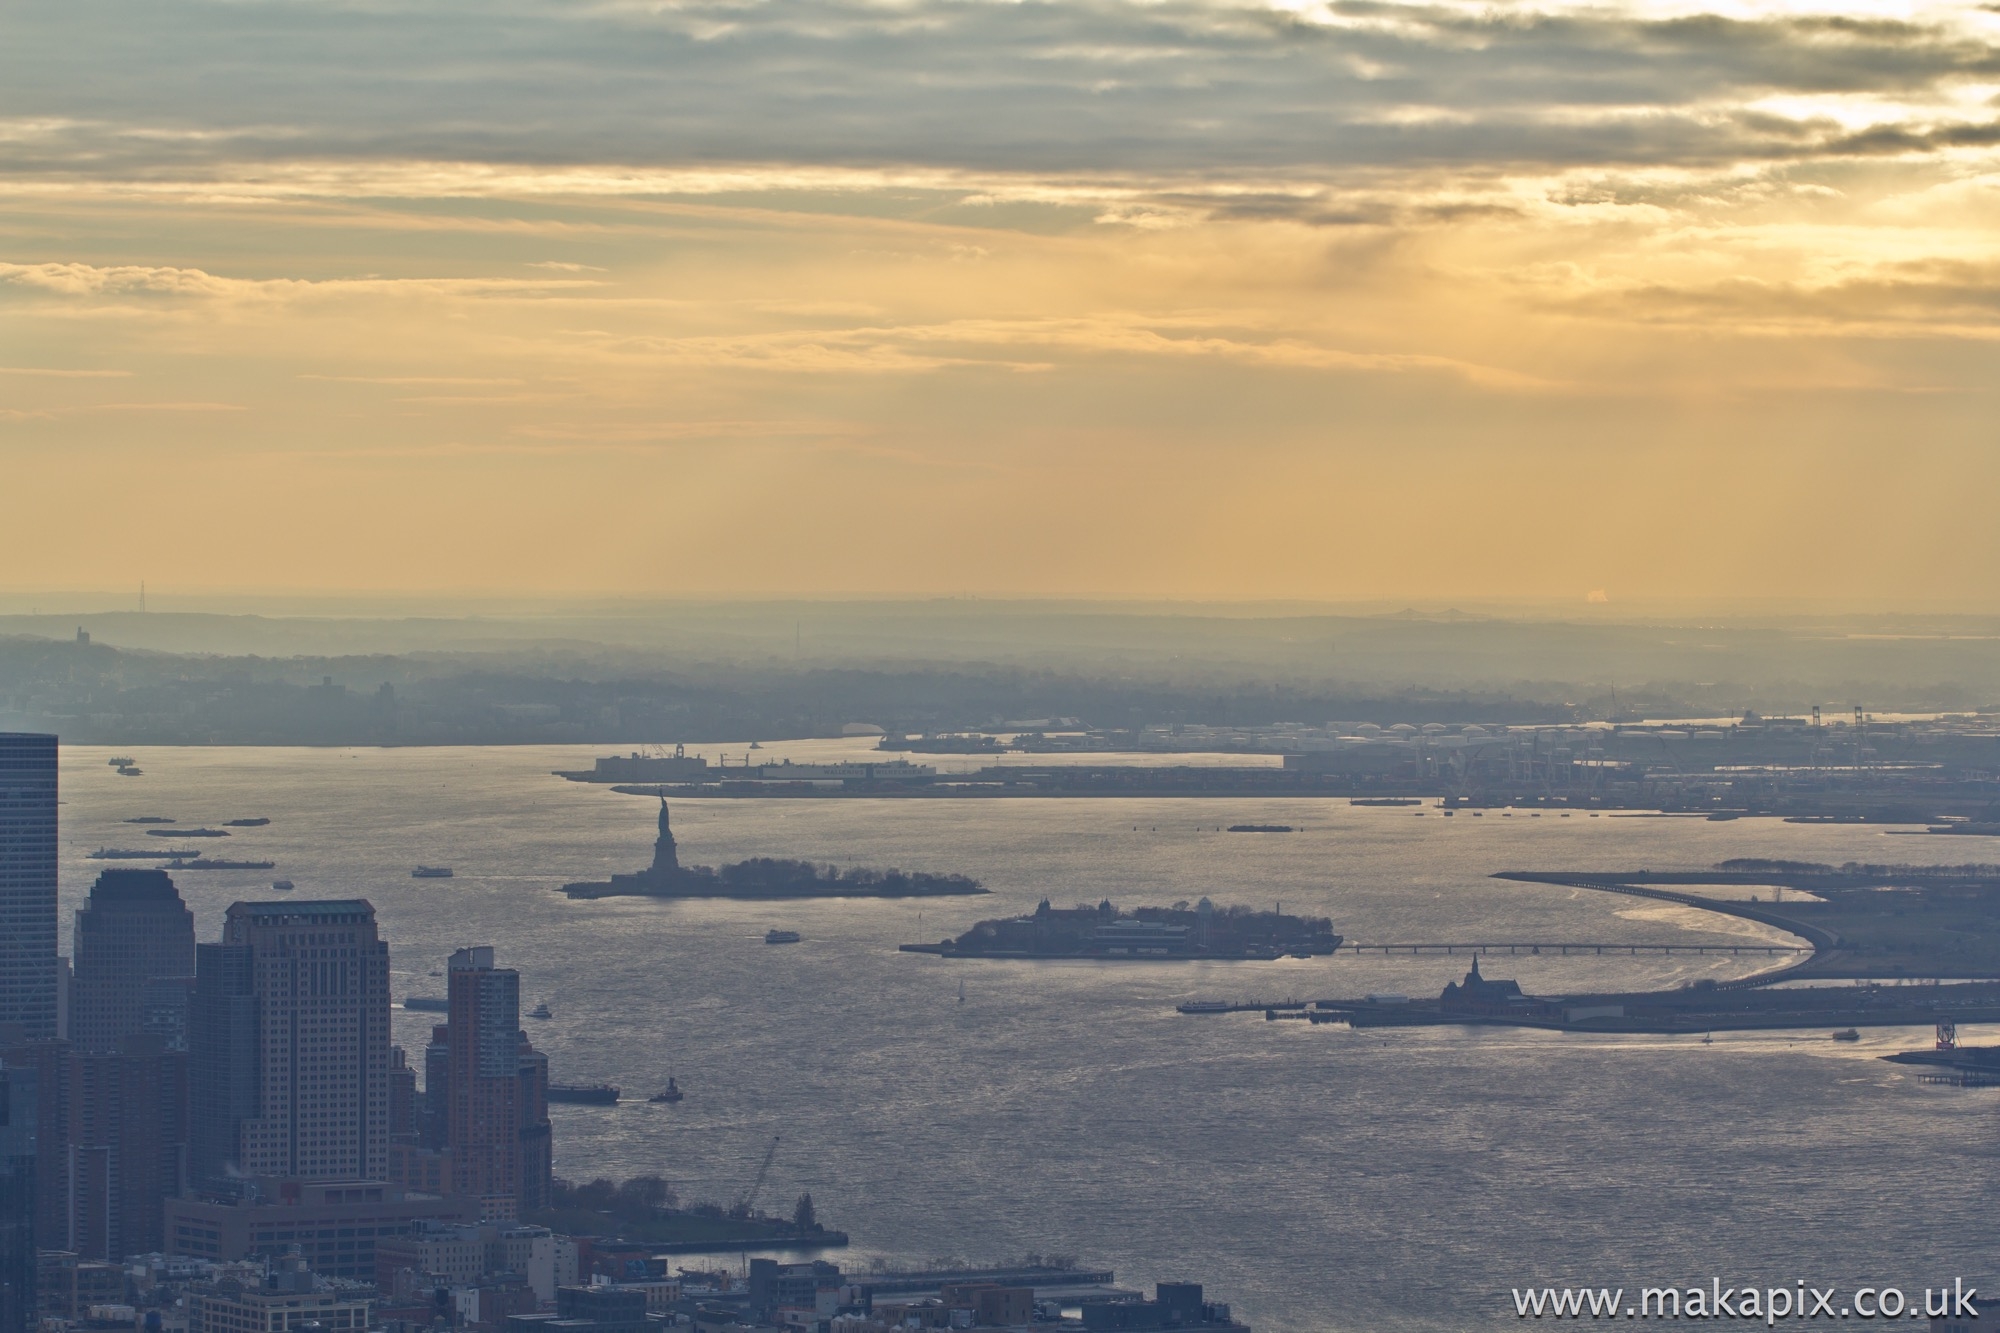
x=290, y=1044
x=495, y=1089
x=483, y=1117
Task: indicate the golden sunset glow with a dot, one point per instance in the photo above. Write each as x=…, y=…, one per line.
x=1178, y=299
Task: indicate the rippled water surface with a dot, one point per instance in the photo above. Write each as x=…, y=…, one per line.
x=1314, y=1177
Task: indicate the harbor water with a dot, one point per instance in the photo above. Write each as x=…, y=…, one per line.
x=1314, y=1177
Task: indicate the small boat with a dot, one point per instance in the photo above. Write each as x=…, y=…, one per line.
x=781, y=937
x=1847, y=1034
x=670, y=1093
x=283, y=885
x=246, y=823
x=542, y=1010
x=149, y=819
x=431, y=872
x=120, y=761
x=129, y=771
x=584, y=1094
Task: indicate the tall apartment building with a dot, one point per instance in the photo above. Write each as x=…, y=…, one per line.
x=483, y=1113
x=492, y=1087
x=18, y=1101
x=133, y=954
x=290, y=1044
x=28, y=883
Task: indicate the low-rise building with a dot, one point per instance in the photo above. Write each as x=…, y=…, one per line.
x=289, y=1298
x=335, y=1224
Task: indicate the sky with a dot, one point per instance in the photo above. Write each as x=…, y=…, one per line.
x=1181, y=299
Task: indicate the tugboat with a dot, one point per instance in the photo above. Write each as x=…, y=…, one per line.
x=669, y=1094
x=781, y=937
x=431, y=872
x=541, y=1010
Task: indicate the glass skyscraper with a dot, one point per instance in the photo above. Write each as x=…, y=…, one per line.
x=28, y=883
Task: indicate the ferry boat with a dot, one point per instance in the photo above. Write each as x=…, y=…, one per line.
x=247, y=823
x=542, y=1010
x=1847, y=1034
x=427, y=1004
x=283, y=885
x=584, y=1094
x=431, y=872
x=782, y=937
x=120, y=761
x=130, y=771
x=669, y=1094
x=1204, y=1007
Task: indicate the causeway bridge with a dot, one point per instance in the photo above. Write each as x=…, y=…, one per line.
x=1565, y=947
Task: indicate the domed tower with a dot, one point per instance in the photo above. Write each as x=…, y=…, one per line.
x=666, y=856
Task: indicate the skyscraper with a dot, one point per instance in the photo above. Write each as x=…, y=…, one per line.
x=223, y=1067
x=310, y=981
x=126, y=1148
x=493, y=1087
x=18, y=1099
x=133, y=948
x=537, y=1134
x=28, y=883
x=483, y=1111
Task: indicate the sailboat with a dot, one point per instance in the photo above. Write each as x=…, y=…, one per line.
x=961, y=992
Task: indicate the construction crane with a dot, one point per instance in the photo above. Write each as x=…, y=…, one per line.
x=748, y=1199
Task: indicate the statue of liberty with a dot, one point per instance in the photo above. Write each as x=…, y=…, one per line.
x=666, y=856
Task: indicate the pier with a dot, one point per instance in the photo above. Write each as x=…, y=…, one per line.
x=1572, y=947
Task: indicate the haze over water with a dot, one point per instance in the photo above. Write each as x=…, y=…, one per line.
x=1313, y=1177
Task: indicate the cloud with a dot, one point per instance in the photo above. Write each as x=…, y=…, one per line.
x=1173, y=89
